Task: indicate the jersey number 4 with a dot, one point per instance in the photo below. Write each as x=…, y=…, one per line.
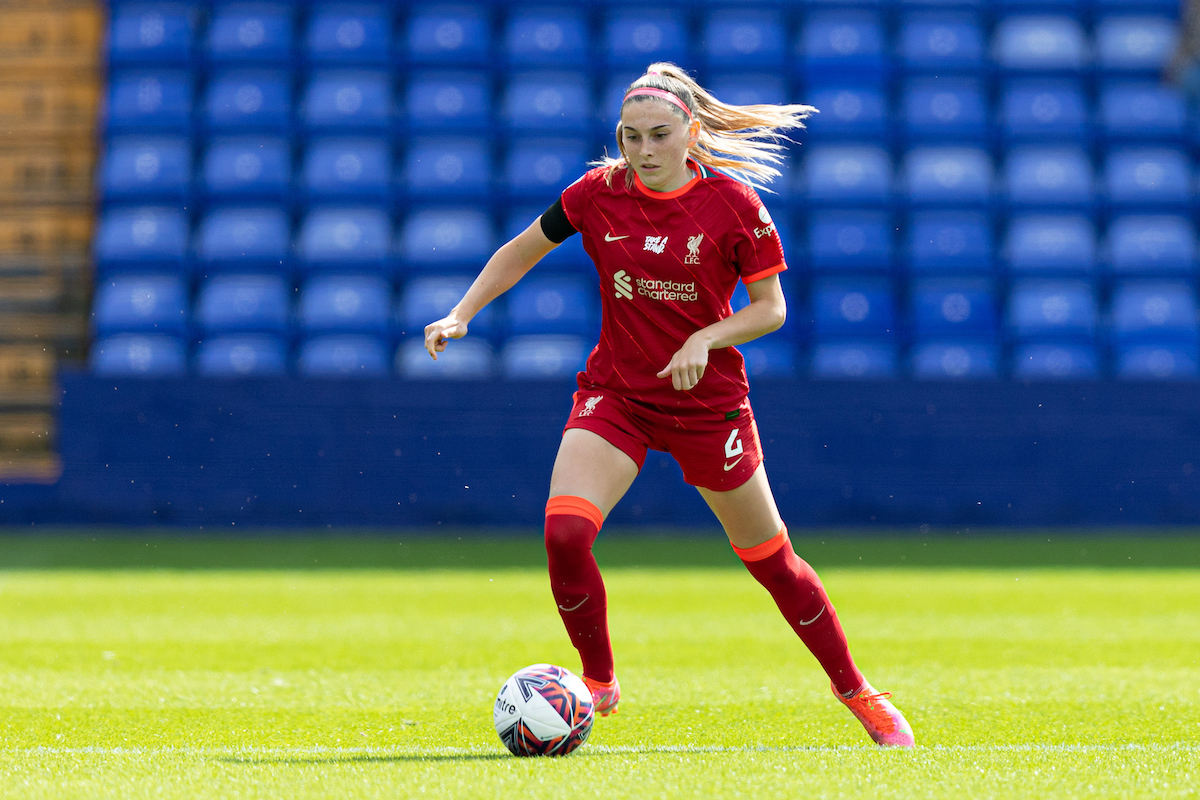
x=733, y=448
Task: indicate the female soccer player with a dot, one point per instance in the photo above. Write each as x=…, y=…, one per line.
x=670, y=237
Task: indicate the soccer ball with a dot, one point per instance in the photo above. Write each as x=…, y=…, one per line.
x=543, y=710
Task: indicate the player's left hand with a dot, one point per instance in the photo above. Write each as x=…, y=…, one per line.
x=687, y=365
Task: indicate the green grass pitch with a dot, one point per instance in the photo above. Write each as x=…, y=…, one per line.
x=144, y=666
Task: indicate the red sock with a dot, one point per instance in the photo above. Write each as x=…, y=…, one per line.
x=572, y=525
x=801, y=597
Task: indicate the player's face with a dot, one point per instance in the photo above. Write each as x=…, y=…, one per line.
x=656, y=140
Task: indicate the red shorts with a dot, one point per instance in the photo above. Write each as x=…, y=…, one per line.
x=716, y=451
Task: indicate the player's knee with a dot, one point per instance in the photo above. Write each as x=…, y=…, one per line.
x=566, y=533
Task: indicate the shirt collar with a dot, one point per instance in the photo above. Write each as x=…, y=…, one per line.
x=698, y=168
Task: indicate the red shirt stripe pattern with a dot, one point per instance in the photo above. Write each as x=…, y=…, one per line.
x=668, y=263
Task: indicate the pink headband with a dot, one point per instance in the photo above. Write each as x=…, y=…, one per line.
x=670, y=98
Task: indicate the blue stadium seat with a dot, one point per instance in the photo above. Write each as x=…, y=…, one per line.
x=746, y=38
x=1148, y=178
x=356, y=239
x=544, y=356
x=605, y=123
x=458, y=102
x=148, y=101
x=850, y=241
x=457, y=169
x=139, y=356
x=636, y=37
x=846, y=176
x=955, y=360
x=463, y=360
x=146, y=170
x=1048, y=177
x=942, y=7
x=1040, y=309
x=1151, y=244
x=553, y=37
x=947, y=176
x=431, y=298
x=747, y=89
x=345, y=304
x=244, y=240
x=848, y=113
x=941, y=44
x=348, y=170
x=854, y=360
x=344, y=355
x=539, y=169
x=552, y=304
x=845, y=308
x=258, y=33
x=141, y=239
x=244, y=356
x=950, y=242
x=1167, y=7
x=447, y=240
x=1075, y=8
x=346, y=34
x=1142, y=112
x=1047, y=362
x=140, y=304
x=769, y=358
x=152, y=33
x=953, y=308
x=547, y=104
x=250, y=168
x=348, y=102
x=449, y=35
x=1044, y=110
x=1154, y=311
x=243, y=304
x=1040, y=45
x=567, y=257
x=1135, y=45
x=1157, y=362
x=247, y=101
x=945, y=110
x=1048, y=243
x=780, y=192
x=847, y=46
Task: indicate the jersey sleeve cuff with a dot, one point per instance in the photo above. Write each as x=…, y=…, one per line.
x=765, y=273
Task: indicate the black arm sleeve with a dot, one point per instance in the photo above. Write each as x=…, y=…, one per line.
x=555, y=224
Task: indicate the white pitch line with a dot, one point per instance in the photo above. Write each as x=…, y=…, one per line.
x=204, y=752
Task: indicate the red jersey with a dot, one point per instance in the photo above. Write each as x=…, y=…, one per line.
x=668, y=265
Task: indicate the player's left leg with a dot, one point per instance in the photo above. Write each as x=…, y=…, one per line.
x=751, y=520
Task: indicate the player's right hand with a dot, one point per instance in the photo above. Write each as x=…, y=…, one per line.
x=437, y=334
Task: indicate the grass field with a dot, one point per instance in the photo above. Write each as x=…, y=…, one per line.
x=1045, y=666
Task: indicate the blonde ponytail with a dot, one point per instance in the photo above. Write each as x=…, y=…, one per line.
x=745, y=142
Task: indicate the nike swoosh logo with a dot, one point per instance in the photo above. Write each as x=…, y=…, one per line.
x=608, y=237
x=814, y=619
x=729, y=466
x=577, y=605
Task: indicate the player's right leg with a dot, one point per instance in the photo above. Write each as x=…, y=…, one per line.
x=590, y=476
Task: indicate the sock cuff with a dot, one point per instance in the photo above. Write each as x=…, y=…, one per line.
x=765, y=550
x=565, y=504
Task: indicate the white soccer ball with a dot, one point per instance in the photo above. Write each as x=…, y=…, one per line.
x=543, y=710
